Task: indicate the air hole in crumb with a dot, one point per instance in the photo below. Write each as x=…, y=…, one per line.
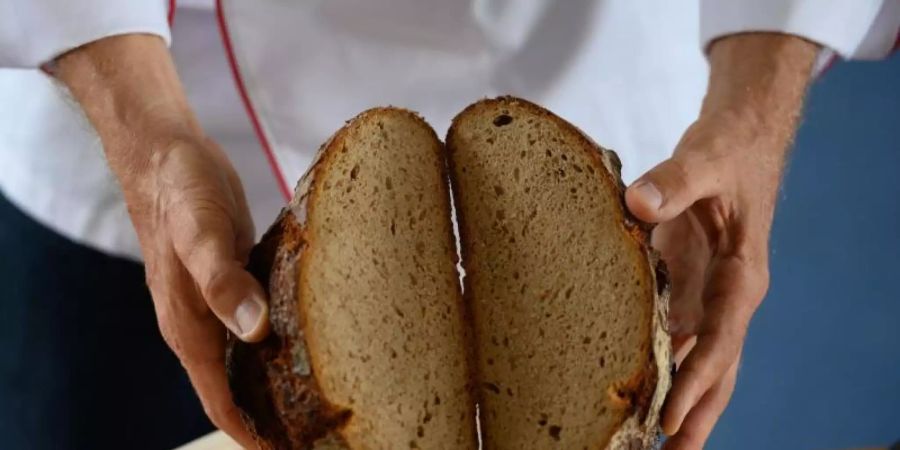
x=586, y=340
x=554, y=431
x=502, y=120
x=393, y=228
x=499, y=190
x=543, y=420
x=516, y=174
x=489, y=140
x=549, y=153
x=602, y=362
x=354, y=172
x=564, y=157
x=492, y=387
x=388, y=183
x=509, y=392
x=420, y=431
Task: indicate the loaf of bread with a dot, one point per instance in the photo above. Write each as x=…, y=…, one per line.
x=368, y=345
x=568, y=302
x=561, y=340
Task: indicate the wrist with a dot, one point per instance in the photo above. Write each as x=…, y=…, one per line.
x=129, y=90
x=759, y=76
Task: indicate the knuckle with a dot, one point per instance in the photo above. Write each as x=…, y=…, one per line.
x=217, y=283
x=696, y=373
x=171, y=337
x=726, y=337
x=678, y=173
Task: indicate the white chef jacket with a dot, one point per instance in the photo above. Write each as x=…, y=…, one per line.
x=271, y=79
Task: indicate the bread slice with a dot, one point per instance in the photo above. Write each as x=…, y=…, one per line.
x=568, y=301
x=368, y=346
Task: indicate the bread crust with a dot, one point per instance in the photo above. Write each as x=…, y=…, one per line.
x=646, y=391
x=272, y=382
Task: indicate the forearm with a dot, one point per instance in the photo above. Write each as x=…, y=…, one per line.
x=130, y=92
x=759, y=80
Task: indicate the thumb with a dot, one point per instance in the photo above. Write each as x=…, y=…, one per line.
x=206, y=242
x=671, y=187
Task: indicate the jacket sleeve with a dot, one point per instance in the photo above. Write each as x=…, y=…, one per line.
x=33, y=32
x=853, y=29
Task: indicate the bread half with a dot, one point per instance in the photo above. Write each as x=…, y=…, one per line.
x=568, y=302
x=368, y=346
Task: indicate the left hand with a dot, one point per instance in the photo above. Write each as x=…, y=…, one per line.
x=714, y=200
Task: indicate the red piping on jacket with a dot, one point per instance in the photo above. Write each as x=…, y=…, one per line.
x=248, y=105
x=171, y=17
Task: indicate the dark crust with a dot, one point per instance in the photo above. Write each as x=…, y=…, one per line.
x=283, y=408
x=641, y=388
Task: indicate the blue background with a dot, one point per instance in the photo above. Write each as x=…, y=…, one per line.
x=821, y=366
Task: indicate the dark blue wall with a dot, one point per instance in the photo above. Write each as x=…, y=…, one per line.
x=822, y=362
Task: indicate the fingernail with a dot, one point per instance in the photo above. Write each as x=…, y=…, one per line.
x=246, y=316
x=649, y=194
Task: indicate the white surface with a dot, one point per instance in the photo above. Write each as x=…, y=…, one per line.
x=213, y=441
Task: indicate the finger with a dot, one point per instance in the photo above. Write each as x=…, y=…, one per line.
x=198, y=339
x=681, y=347
x=208, y=376
x=699, y=423
x=731, y=302
x=205, y=241
x=669, y=188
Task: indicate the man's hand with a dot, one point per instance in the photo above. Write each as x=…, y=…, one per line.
x=714, y=201
x=186, y=203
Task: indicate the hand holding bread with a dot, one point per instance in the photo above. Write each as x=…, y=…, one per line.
x=186, y=204
x=714, y=201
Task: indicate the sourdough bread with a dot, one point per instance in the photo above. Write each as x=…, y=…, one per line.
x=568, y=302
x=368, y=338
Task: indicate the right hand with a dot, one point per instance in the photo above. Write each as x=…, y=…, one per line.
x=196, y=233
x=186, y=203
